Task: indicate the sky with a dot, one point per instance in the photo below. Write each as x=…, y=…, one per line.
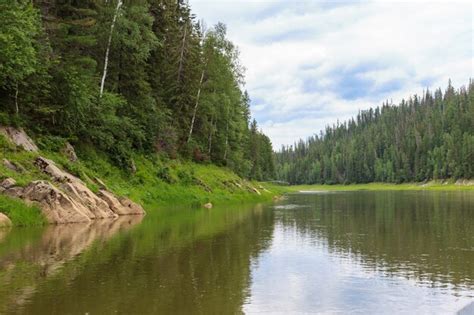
x=312, y=63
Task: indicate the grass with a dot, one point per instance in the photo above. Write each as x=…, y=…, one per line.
x=158, y=181
x=20, y=213
x=433, y=185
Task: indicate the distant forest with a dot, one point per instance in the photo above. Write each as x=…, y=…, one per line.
x=424, y=138
x=128, y=77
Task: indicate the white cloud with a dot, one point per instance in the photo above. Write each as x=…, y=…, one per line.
x=308, y=60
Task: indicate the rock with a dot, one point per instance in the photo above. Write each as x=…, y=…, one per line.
x=207, y=205
x=50, y=168
x=69, y=151
x=14, y=192
x=67, y=199
x=10, y=165
x=19, y=137
x=4, y=221
x=8, y=183
x=121, y=206
x=56, y=205
x=131, y=207
x=83, y=195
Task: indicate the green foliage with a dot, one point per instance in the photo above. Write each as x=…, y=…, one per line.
x=421, y=139
x=18, y=56
x=20, y=213
x=171, y=87
x=51, y=143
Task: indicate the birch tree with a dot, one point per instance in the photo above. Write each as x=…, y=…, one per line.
x=109, y=42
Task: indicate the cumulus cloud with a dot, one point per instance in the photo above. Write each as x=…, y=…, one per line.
x=310, y=63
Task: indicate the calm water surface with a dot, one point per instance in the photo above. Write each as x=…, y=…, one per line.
x=329, y=253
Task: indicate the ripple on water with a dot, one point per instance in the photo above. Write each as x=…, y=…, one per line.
x=289, y=207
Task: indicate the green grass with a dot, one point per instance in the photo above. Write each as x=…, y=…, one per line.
x=433, y=185
x=158, y=181
x=20, y=213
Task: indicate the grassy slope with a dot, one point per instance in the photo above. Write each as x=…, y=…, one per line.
x=156, y=183
x=383, y=186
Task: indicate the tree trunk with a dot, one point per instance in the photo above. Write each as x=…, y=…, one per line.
x=109, y=42
x=196, y=106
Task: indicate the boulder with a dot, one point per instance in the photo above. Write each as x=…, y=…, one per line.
x=8, y=183
x=56, y=205
x=121, y=206
x=68, y=150
x=4, y=221
x=131, y=207
x=67, y=199
x=83, y=195
x=14, y=192
x=111, y=201
x=19, y=137
x=50, y=168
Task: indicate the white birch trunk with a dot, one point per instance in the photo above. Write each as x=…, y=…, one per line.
x=109, y=42
x=196, y=106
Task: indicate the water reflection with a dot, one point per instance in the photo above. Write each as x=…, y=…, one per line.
x=23, y=269
x=423, y=235
x=354, y=252
x=176, y=262
x=368, y=253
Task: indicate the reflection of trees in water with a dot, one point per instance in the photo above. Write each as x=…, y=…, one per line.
x=190, y=261
x=425, y=235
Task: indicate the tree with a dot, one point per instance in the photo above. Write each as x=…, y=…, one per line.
x=18, y=53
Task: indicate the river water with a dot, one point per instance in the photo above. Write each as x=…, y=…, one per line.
x=325, y=253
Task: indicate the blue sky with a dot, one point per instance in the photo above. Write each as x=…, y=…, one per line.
x=310, y=63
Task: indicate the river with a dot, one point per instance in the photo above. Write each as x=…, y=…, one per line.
x=366, y=252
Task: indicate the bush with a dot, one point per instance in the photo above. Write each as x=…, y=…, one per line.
x=51, y=143
x=164, y=174
x=186, y=177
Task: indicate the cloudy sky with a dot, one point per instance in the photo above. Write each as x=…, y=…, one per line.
x=310, y=63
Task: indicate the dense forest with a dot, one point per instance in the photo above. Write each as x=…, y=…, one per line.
x=129, y=77
x=423, y=138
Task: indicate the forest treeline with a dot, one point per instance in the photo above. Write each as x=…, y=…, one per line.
x=423, y=138
x=129, y=76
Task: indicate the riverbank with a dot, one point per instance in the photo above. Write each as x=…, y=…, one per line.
x=155, y=182
x=431, y=185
